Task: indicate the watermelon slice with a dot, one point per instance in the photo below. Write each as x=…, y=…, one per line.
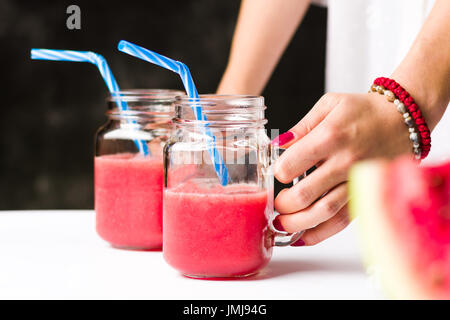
x=403, y=215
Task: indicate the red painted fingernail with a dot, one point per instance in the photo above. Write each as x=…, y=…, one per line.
x=283, y=138
x=298, y=243
x=277, y=225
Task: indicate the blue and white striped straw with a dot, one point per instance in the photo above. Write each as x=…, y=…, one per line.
x=102, y=65
x=183, y=71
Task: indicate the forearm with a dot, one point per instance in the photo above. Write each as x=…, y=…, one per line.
x=263, y=31
x=425, y=71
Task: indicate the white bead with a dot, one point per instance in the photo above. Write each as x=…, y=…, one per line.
x=396, y=102
x=411, y=129
x=401, y=107
x=414, y=136
x=390, y=96
x=406, y=115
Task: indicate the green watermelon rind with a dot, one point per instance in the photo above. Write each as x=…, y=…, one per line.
x=382, y=251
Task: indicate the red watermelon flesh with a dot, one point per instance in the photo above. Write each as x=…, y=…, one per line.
x=418, y=200
x=404, y=224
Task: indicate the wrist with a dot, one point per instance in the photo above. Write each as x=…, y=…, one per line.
x=428, y=95
x=424, y=74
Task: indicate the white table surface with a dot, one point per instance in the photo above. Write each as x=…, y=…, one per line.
x=57, y=255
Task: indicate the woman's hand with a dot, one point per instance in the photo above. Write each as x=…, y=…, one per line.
x=344, y=128
x=340, y=130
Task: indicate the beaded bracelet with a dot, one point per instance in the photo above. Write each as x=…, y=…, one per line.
x=419, y=133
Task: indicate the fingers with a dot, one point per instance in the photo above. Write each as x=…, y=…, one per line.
x=316, y=146
x=318, y=112
x=326, y=229
x=308, y=142
x=316, y=139
x=324, y=209
x=310, y=188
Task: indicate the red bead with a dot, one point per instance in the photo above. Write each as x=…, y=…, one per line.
x=403, y=96
x=398, y=91
x=392, y=86
x=413, y=108
x=408, y=101
x=417, y=114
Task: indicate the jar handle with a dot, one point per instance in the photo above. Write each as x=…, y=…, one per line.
x=284, y=239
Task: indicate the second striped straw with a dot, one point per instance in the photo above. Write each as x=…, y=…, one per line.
x=191, y=90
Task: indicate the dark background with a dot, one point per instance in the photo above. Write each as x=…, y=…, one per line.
x=51, y=110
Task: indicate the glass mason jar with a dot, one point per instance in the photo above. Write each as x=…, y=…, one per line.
x=128, y=168
x=212, y=230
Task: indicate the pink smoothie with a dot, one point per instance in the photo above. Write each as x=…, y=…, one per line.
x=218, y=231
x=128, y=200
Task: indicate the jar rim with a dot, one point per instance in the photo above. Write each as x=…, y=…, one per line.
x=157, y=95
x=220, y=110
x=231, y=100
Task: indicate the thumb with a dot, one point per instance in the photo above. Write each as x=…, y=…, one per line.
x=315, y=116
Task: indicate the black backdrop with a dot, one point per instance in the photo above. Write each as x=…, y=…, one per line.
x=51, y=110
